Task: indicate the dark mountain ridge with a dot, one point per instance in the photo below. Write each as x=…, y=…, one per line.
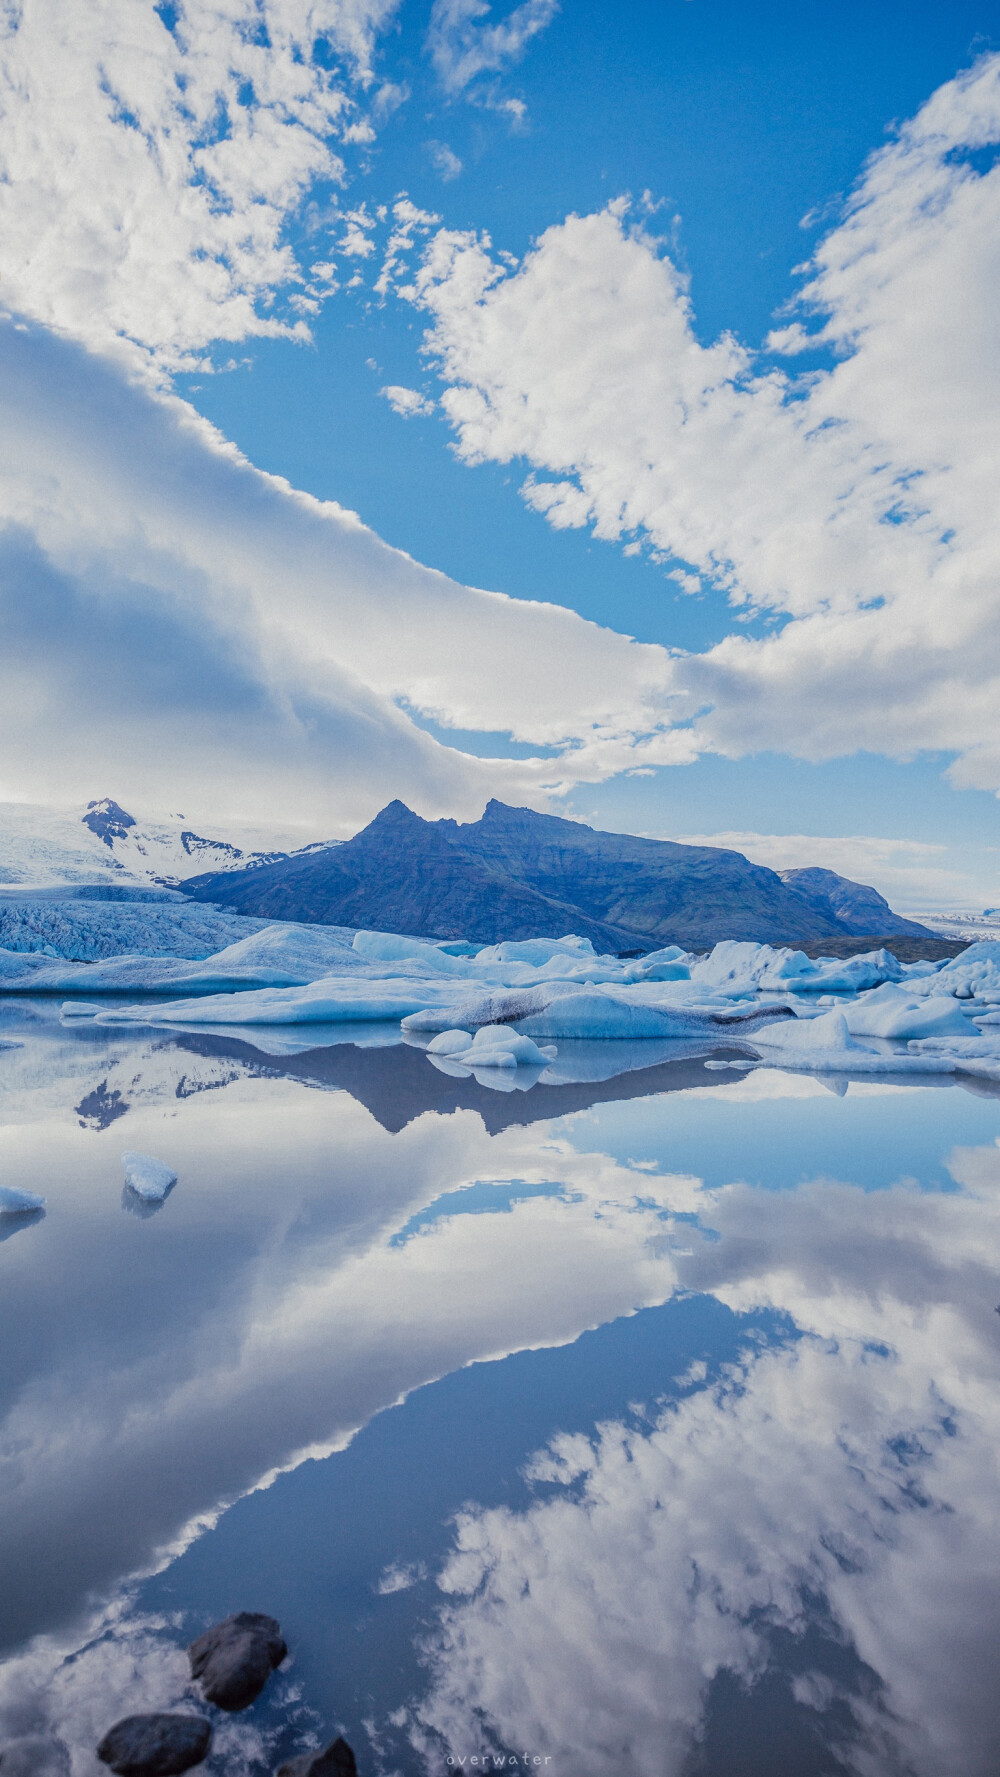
x=517, y=874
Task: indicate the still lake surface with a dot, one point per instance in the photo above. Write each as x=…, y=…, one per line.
x=646, y=1424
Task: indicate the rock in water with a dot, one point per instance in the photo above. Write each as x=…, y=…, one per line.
x=336, y=1761
x=155, y=1745
x=234, y=1660
x=34, y=1755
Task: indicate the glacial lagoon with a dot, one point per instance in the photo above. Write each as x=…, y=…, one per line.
x=645, y=1420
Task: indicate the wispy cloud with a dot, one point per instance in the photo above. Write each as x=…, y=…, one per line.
x=444, y=160
x=463, y=44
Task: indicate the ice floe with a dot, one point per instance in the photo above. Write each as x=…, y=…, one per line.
x=15, y=1202
x=148, y=1177
x=495, y=1005
x=494, y=1045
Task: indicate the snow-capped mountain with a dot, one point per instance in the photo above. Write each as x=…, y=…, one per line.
x=103, y=843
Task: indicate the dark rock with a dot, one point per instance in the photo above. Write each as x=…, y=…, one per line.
x=155, y=1745
x=337, y=1760
x=34, y=1755
x=107, y=820
x=234, y=1660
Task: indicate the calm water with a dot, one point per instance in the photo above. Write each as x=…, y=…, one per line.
x=647, y=1424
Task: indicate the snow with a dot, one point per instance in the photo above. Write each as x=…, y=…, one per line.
x=42, y=845
x=15, y=1202
x=148, y=1177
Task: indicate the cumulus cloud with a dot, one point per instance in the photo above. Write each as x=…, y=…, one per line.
x=406, y=402
x=852, y=505
x=196, y=633
x=148, y=168
x=462, y=45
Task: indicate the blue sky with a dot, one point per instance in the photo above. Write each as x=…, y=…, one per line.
x=728, y=126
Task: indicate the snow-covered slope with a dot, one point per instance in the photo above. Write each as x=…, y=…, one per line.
x=104, y=843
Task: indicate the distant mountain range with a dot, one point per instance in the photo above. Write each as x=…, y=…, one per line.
x=517, y=874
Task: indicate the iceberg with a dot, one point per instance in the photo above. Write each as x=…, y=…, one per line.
x=599, y=1016
x=326, y=1001
x=494, y=1045
x=889, y=1012
x=148, y=1177
x=536, y=952
x=500, y=1007
x=15, y=1202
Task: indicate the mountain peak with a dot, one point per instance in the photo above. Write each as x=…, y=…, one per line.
x=107, y=820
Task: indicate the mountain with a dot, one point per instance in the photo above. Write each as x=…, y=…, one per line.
x=518, y=874
x=105, y=844
x=857, y=908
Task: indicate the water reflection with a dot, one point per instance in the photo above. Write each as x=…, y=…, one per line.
x=689, y=1472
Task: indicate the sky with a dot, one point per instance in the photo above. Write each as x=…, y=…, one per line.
x=594, y=407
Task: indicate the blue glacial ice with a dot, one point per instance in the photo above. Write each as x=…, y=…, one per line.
x=15, y=1202
x=868, y=1014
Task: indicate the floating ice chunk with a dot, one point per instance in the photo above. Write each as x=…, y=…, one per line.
x=889, y=1012
x=148, y=1177
x=537, y=951
x=825, y=1035
x=15, y=1202
x=328, y=1001
x=494, y=1045
x=736, y=963
x=502, y=1007
x=599, y=1015
x=450, y=1042
x=665, y=969
x=392, y=947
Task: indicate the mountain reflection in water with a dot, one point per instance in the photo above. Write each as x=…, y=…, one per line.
x=644, y=1424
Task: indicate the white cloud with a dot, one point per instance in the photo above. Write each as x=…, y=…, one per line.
x=462, y=46
x=147, y=174
x=194, y=633
x=854, y=504
x=406, y=402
